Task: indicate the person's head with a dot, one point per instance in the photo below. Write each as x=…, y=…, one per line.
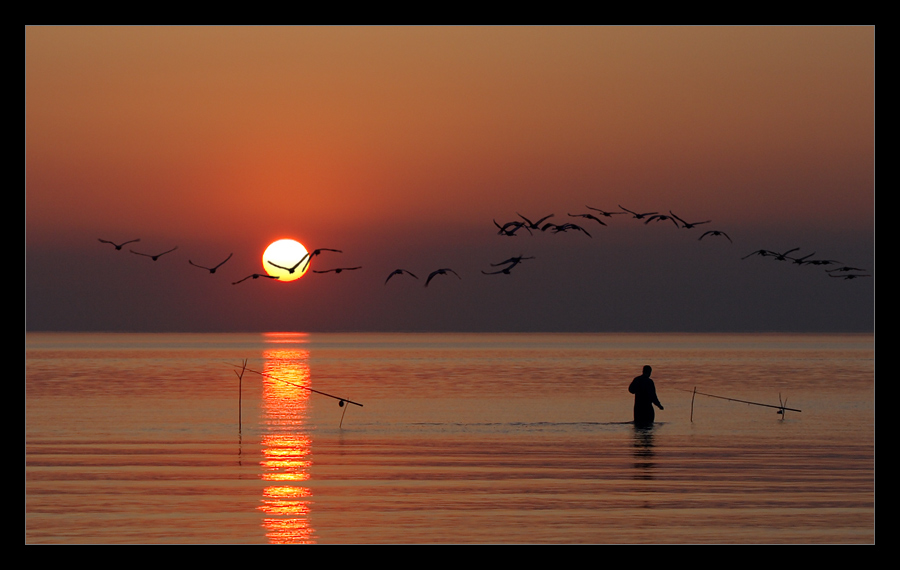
x=647, y=370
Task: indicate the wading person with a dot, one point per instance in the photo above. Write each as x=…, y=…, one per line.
x=644, y=398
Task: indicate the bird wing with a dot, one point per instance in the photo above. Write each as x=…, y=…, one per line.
x=579, y=228
x=677, y=218
x=226, y=259
x=200, y=266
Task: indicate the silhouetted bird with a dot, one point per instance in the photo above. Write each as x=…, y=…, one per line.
x=211, y=269
x=714, y=233
x=661, y=218
x=636, y=215
x=289, y=269
x=516, y=226
x=761, y=252
x=848, y=276
x=590, y=217
x=782, y=256
x=564, y=228
x=604, y=212
x=687, y=225
x=443, y=271
x=822, y=261
x=337, y=269
x=512, y=262
x=153, y=257
x=256, y=276
x=844, y=269
x=398, y=272
x=316, y=252
x=534, y=225
x=505, y=270
x=118, y=245
x=801, y=260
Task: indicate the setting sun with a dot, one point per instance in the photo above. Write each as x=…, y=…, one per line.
x=286, y=259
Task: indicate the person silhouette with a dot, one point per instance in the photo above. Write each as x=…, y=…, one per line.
x=644, y=391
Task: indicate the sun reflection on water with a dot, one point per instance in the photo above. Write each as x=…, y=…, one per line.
x=285, y=447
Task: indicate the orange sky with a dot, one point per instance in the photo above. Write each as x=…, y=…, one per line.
x=378, y=138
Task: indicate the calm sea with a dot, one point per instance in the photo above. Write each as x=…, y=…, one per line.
x=461, y=438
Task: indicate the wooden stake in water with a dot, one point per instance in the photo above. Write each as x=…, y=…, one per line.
x=240, y=393
x=694, y=395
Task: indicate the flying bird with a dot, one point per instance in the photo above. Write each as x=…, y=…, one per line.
x=316, y=252
x=687, y=225
x=398, y=272
x=153, y=257
x=761, y=252
x=845, y=268
x=590, y=217
x=211, y=269
x=661, y=218
x=307, y=258
x=516, y=226
x=714, y=233
x=636, y=215
x=118, y=245
x=849, y=276
x=783, y=256
x=443, y=271
x=288, y=269
x=337, y=269
x=256, y=276
x=801, y=260
x=534, y=225
x=564, y=228
x=512, y=262
x=604, y=213
x=822, y=261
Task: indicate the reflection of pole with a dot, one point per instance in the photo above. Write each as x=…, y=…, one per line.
x=341, y=404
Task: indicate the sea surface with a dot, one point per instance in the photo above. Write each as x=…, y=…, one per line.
x=460, y=438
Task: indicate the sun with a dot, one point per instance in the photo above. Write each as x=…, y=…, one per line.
x=286, y=253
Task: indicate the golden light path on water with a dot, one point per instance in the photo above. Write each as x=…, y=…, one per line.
x=285, y=447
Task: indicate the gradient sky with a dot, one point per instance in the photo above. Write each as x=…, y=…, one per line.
x=400, y=145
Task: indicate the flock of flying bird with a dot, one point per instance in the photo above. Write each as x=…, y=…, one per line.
x=511, y=229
